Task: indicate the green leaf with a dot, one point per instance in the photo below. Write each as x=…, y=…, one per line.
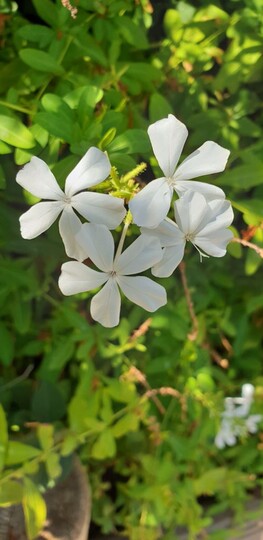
x=210, y=482
x=48, y=404
x=47, y=11
x=13, y=132
x=22, y=156
x=125, y=392
x=91, y=94
x=34, y=507
x=36, y=33
x=104, y=446
x=4, y=148
x=131, y=32
x=41, y=61
x=55, y=360
x=2, y=178
x=22, y=313
x=11, y=492
x=53, y=467
x=6, y=345
x=253, y=262
x=3, y=437
x=133, y=141
x=58, y=124
x=159, y=107
x=252, y=206
x=129, y=422
x=243, y=177
x=45, y=433
x=18, y=452
x=69, y=444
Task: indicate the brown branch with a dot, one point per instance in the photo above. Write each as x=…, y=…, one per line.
x=135, y=374
x=222, y=362
x=194, y=332
x=143, y=328
x=245, y=243
x=167, y=391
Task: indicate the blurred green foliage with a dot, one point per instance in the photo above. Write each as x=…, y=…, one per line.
x=140, y=402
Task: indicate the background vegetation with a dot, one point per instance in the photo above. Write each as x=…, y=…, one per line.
x=140, y=402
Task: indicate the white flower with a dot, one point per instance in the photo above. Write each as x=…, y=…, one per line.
x=116, y=272
x=226, y=435
x=151, y=205
x=235, y=420
x=37, y=178
x=198, y=221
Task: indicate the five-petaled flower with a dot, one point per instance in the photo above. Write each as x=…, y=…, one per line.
x=92, y=169
x=235, y=420
x=198, y=221
x=116, y=272
x=151, y=205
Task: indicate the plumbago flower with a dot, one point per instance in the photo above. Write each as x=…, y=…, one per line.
x=117, y=272
x=198, y=221
x=92, y=169
x=151, y=205
x=235, y=420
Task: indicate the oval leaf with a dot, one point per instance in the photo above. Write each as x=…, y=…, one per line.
x=11, y=492
x=18, y=452
x=35, y=510
x=3, y=437
x=13, y=132
x=41, y=61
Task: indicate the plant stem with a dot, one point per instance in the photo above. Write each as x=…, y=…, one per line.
x=193, y=335
x=121, y=242
x=15, y=107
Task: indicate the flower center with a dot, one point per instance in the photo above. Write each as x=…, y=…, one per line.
x=113, y=274
x=67, y=200
x=189, y=237
x=170, y=181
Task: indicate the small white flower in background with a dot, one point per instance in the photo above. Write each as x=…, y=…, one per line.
x=151, y=205
x=235, y=419
x=116, y=273
x=37, y=178
x=198, y=221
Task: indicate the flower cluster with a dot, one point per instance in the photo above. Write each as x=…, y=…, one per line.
x=236, y=421
x=202, y=217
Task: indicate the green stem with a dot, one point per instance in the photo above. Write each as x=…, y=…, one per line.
x=15, y=107
x=60, y=59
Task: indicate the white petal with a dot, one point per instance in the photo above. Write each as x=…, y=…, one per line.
x=98, y=244
x=222, y=216
x=209, y=191
x=219, y=440
x=172, y=257
x=191, y=210
x=167, y=232
x=92, y=169
x=208, y=159
x=69, y=225
x=168, y=137
x=39, y=218
x=151, y=205
x=37, y=178
x=100, y=208
x=76, y=277
x=105, y=305
x=251, y=422
x=215, y=243
x=143, y=253
x=143, y=291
